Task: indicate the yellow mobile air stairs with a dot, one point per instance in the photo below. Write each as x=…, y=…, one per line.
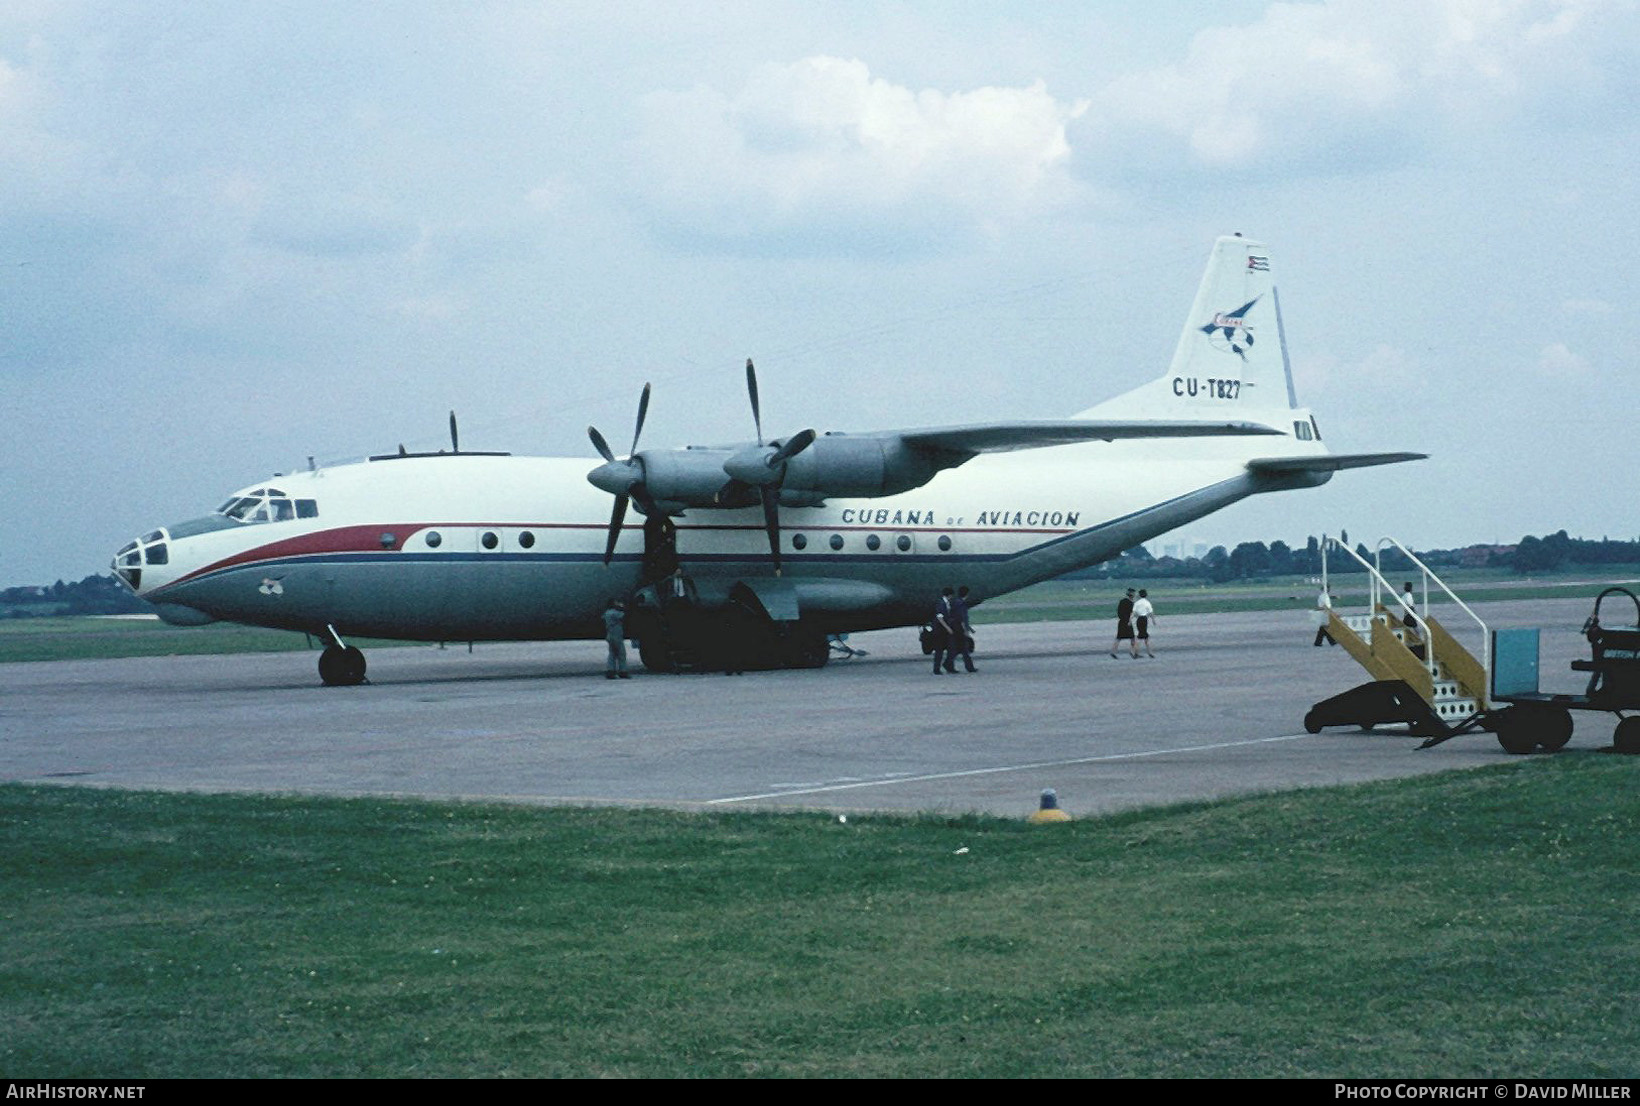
x=1421, y=674
x=1423, y=677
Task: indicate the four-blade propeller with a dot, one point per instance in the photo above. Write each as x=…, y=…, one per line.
x=622, y=479
x=761, y=468
x=764, y=467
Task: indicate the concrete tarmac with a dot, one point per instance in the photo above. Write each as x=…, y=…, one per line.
x=1218, y=712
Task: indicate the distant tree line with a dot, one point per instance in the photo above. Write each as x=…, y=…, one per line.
x=92, y=595
x=1253, y=560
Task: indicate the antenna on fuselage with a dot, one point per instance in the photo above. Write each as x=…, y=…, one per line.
x=455, y=439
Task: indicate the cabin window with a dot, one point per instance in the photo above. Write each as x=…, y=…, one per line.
x=1302, y=431
x=800, y=541
x=489, y=540
x=434, y=539
x=837, y=541
x=526, y=540
x=903, y=543
x=873, y=542
x=945, y=544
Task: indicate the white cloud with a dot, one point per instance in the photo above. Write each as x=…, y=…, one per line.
x=1349, y=83
x=1385, y=371
x=334, y=226
x=821, y=147
x=33, y=161
x=1559, y=363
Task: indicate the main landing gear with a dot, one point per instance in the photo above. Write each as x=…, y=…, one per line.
x=341, y=664
x=676, y=633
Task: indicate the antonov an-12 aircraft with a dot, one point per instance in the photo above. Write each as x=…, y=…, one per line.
x=761, y=549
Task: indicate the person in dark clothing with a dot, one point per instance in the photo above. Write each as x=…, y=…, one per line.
x=943, y=633
x=962, y=639
x=1124, y=625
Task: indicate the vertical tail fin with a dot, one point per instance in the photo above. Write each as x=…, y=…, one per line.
x=1232, y=355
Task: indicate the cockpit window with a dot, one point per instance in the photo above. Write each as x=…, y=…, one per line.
x=268, y=505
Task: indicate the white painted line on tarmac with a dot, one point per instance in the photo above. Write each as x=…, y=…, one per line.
x=898, y=779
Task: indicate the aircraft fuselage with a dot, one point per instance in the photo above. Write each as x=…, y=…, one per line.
x=475, y=547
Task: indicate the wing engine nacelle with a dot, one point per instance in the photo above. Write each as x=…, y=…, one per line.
x=682, y=478
x=850, y=468
x=835, y=465
x=803, y=470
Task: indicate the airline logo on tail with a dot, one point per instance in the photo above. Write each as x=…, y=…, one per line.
x=1229, y=331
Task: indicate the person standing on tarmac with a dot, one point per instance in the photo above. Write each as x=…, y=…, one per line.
x=962, y=639
x=1143, y=615
x=615, y=635
x=1124, y=625
x=944, y=634
x=1323, y=612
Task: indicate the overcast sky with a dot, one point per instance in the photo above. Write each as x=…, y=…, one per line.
x=236, y=235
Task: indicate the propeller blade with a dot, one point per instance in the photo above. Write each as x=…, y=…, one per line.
x=600, y=445
x=751, y=389
x=643, y=412
x=795, y=445
x=771, y=519
x=615, y=520
x=455, y=440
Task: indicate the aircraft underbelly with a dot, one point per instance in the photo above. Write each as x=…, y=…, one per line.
x=418, y=600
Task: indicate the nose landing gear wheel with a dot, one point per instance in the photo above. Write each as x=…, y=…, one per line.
x=341, y=667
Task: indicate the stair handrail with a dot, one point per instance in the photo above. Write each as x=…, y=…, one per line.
x=1429, y=574
x=1376, y=579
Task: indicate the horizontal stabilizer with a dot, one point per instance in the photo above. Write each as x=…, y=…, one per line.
x=1330, y=462
x=1001, y=437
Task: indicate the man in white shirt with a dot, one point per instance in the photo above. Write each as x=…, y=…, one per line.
x=1143, y=615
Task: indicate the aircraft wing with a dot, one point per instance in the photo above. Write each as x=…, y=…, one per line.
x=1002, y=437
x=1331, y=462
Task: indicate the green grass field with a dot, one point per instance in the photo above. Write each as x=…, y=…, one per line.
x=1469, y=924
